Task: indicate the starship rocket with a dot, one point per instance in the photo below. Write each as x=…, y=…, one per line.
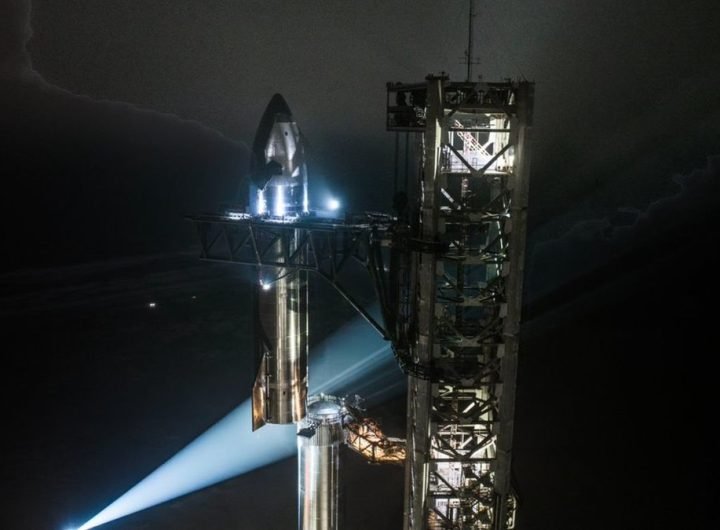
x=279, y=192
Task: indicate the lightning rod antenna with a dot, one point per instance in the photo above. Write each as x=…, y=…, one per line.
x=469, y=51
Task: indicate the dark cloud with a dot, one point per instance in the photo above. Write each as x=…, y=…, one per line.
x=597, y=253
x=15, y=32
x=624, y=92
x=87, y=178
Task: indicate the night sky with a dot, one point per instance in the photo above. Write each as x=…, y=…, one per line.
x=119, y=118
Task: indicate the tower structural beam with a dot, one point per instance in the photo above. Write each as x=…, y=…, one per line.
x=328, y=248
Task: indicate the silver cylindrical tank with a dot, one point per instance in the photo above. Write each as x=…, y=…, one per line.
x=320, y=437
x=283, y=342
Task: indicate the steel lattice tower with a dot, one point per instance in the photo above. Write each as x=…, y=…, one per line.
x=458, y=337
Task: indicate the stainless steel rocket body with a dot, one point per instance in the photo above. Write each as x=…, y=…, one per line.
x=280, y=391
x=279, y=190
x=278, y=173
x=319, y=465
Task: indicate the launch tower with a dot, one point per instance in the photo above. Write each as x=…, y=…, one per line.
x=460, y=295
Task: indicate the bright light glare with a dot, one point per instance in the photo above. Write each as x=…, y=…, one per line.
x=265, y=286
x=352, y=360
x=152, y=305
x=261, y=202
x=333, y=204
x=226, y=450
x=279, y=209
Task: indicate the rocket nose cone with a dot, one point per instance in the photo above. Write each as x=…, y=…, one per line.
x=277, y=111
x=278, y=105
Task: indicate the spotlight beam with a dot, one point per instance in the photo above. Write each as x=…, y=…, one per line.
x=227, y=449
x=230, y=448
